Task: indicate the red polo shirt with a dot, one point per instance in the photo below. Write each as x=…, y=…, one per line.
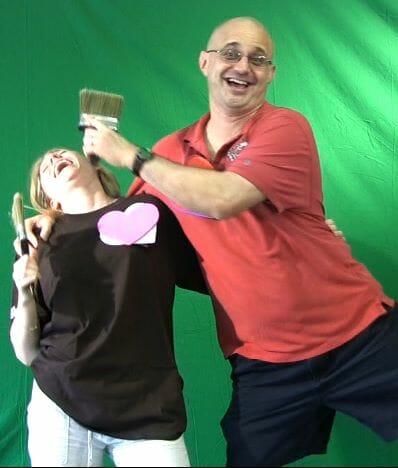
x=284, y=287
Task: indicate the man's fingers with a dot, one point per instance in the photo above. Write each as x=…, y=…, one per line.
x=30, y=226
x=333, y=227
x=39, y=225
x=32, y=239
x=17, y=246
x=45, y=224
x=94, y=123
x=331, y=223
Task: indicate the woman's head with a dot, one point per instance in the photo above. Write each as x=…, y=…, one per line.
x=60, y=165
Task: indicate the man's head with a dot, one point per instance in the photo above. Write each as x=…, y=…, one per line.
x=238, y=65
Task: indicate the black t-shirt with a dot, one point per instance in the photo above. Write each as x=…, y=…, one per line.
x=107, y=355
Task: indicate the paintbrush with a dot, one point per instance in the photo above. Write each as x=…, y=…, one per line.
x=105, y=107
x=19, y=222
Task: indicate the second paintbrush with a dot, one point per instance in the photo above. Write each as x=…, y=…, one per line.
x=19, y=222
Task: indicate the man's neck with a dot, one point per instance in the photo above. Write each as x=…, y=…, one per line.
x=223, y=127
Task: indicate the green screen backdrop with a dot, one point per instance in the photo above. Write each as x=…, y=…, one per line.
x=336, y=62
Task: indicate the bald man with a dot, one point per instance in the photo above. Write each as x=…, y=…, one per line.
x=307, y=329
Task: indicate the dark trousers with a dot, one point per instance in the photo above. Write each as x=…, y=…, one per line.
x=282, y=412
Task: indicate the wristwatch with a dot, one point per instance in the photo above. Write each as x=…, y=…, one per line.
x=143, y=155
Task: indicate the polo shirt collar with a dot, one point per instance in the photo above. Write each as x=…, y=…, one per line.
x=195, y=133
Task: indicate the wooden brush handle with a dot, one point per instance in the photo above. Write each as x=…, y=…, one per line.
x=93, y=158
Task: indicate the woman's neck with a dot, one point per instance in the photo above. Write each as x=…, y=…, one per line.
x=78, y=201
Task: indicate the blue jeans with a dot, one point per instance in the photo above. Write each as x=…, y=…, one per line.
x=55, y=439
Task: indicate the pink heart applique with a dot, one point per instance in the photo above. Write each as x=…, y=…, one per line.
x=135, y=225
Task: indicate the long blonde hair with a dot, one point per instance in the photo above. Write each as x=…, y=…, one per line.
x=42, y=203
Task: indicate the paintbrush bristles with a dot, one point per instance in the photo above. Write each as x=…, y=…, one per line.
x=17, y=211
x=19, y=222
x=106, y=107
x=101, y=103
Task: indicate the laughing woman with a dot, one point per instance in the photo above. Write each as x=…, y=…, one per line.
x=96, y=327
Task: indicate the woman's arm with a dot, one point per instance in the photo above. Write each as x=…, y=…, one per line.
x=25, y=327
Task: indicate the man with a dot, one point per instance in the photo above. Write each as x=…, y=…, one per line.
x=307, y=329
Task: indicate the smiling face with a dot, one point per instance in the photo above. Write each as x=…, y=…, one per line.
x=57, y=172
x=239, y=86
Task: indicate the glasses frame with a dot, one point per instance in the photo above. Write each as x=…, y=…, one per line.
x=239, y=57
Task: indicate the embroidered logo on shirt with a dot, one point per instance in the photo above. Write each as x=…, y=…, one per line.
x=234, y=151
x=135, y=225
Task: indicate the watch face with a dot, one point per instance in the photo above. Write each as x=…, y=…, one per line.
x=144, y=154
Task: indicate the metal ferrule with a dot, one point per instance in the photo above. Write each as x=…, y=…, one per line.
x=110, y=122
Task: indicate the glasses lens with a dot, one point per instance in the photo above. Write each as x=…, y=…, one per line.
x=230, y=55
x=258, y=60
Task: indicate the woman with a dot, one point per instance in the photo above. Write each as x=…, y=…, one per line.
x=97, y=332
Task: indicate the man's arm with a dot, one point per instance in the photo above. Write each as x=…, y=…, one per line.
x=216, y=194
x=213, y=193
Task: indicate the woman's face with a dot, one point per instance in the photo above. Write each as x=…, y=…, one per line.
x=61, y=170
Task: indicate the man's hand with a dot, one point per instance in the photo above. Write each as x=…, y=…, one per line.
x=41, y=225
x=107, y=144
x=333, y=227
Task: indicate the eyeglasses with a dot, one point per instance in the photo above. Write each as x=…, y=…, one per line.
x=230, y=55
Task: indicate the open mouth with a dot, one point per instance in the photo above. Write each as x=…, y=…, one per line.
x=60, y=166
x=237, y=84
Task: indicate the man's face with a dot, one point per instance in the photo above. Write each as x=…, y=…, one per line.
x=238, y=86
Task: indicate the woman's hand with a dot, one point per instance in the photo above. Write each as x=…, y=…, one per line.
x=26, y=270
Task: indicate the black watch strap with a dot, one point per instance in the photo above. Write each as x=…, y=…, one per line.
x=143, y=155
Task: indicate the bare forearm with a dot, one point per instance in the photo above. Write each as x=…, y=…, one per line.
x=218, y=194
x=213, y=193
x=25, y=329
